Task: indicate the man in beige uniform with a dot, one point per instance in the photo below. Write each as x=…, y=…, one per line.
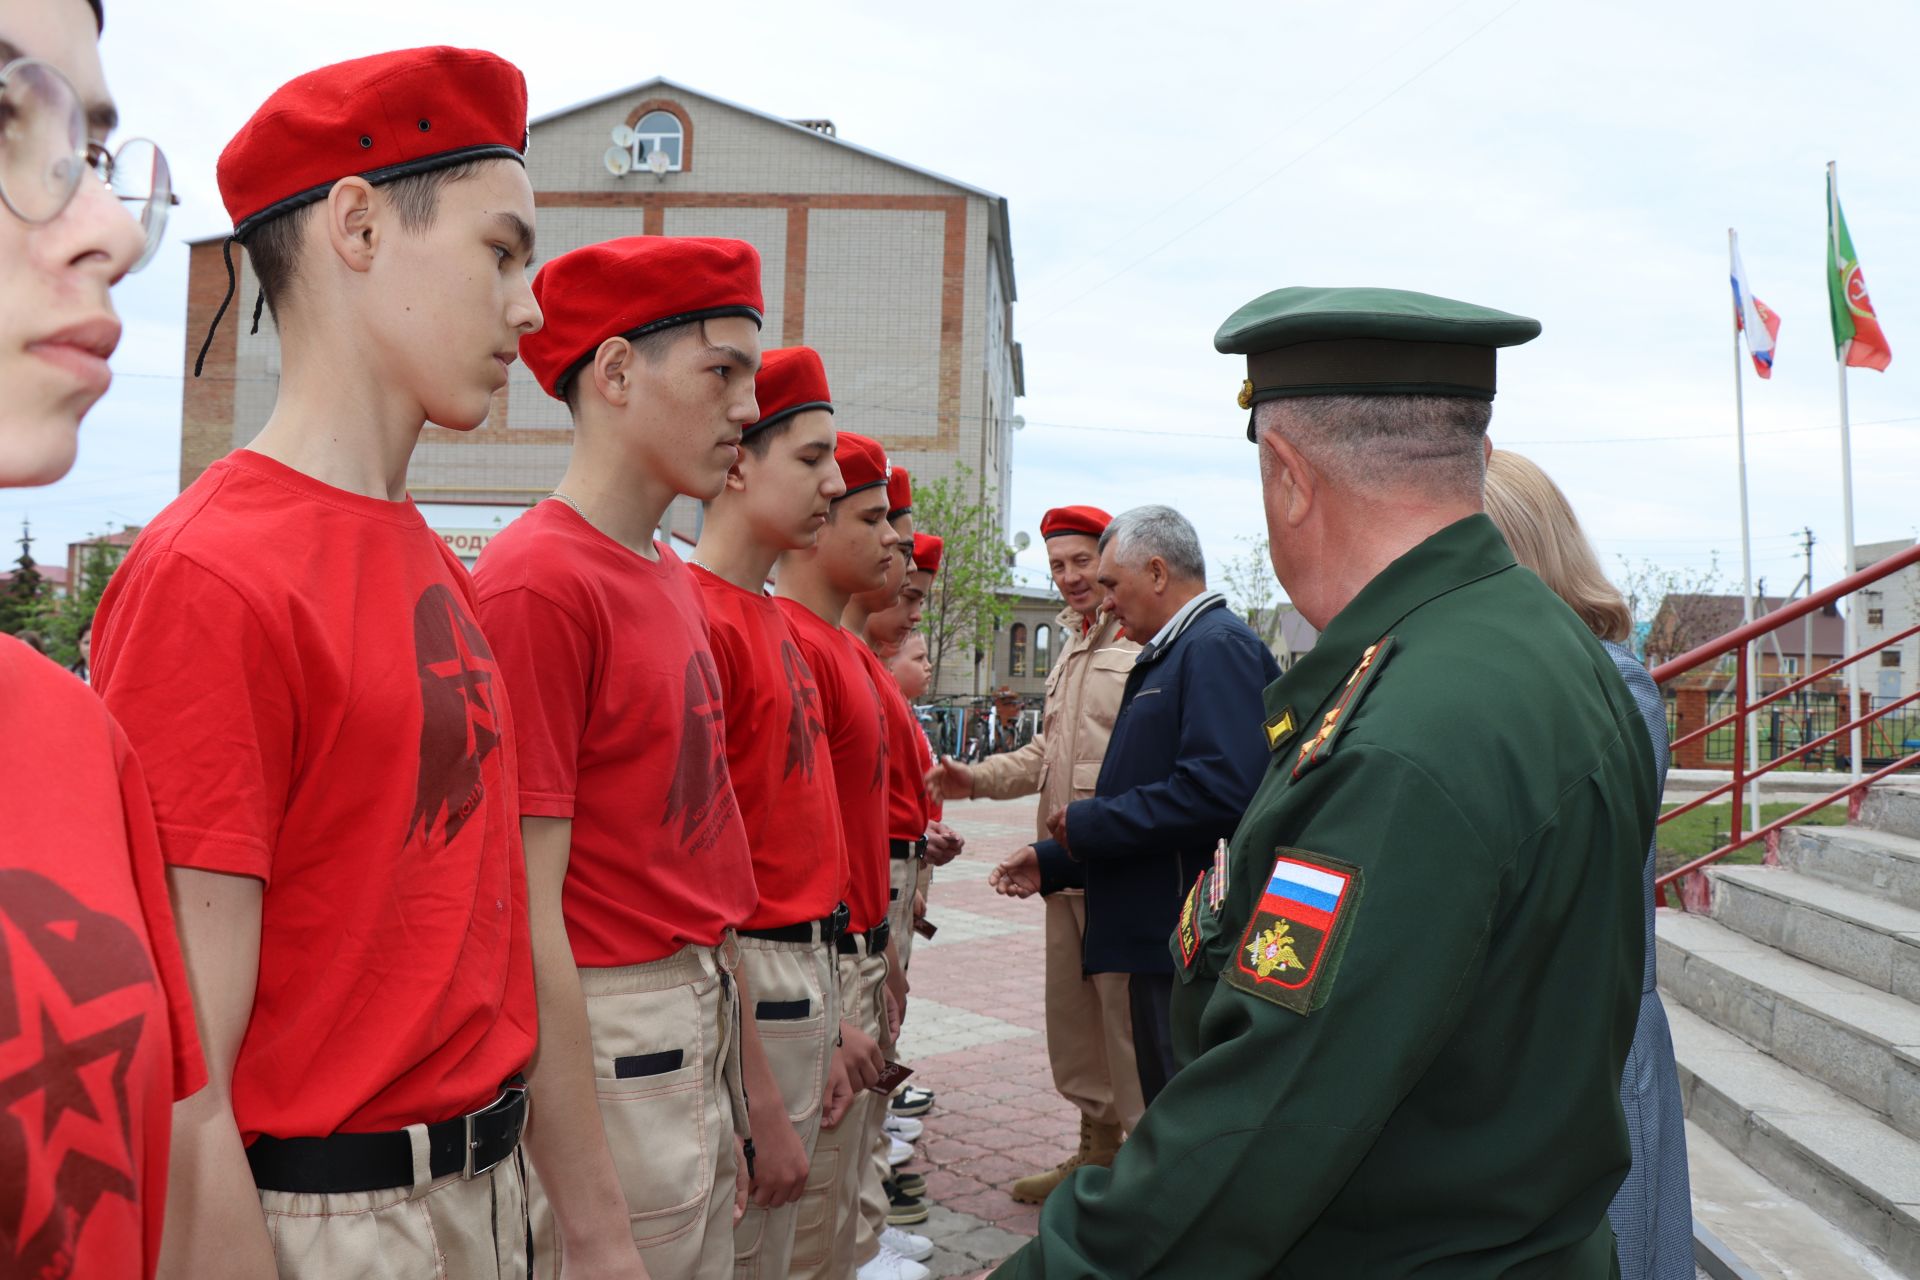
x=1089, y=1023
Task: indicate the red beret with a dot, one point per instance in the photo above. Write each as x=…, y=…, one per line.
x=791, y=380
x=389, y=116
x=631, y=287
x=899, y=493
x=863, y=463
x=1090, y=521
x=926, y=551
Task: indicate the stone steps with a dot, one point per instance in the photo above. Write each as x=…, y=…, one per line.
x=1866, y=938
x=1831, y=1028
x=1864, y=859
x=1838, y=1157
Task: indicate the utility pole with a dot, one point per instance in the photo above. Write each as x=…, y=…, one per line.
x=1806, y=637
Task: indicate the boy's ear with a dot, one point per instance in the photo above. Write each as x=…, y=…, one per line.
x=612, y=371
x=351, y=227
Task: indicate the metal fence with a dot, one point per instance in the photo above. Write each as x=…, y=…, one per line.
x=1801, y=718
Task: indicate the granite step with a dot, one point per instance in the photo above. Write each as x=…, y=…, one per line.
x=1837, y=1157
x=1866, y=938
x=1892, y=807
x=1867, y=860
x=1838, y=1031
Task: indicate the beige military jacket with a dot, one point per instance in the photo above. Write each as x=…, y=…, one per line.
x=1062, y=762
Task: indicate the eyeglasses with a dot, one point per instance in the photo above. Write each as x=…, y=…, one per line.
x=45, y=153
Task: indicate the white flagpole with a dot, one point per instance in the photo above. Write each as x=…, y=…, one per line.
x=1746, y=531
x=1846, y=485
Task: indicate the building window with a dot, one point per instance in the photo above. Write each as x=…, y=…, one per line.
x=1889, y=657
x=1017, y=650
x=1042, y=649
x=1792, y=664
x=659, y=125
x=1876, y=617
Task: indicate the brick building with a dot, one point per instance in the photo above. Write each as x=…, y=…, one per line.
x=902, y=278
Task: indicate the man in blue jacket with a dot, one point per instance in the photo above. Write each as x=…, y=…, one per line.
x=1186, y=754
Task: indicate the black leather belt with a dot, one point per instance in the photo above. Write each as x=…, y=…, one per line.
x=901, y=850
x=827, y=930
x=468, y=1145
x=876, y=937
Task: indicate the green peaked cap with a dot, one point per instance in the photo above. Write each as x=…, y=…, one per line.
x=1373, y=342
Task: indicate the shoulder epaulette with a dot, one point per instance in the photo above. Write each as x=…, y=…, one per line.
x=1320, y=745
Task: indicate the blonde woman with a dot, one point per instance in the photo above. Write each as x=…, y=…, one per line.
x=1652, y=1213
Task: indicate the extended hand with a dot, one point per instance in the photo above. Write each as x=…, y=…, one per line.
x=950, y=780
x=1018, y=875
x=779, y=1159
x=943, y=843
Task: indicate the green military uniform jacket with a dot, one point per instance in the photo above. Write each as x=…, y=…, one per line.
x=1404, y=1014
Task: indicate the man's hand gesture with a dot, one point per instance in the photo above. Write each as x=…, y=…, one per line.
x=1018, y=875
x=950, y=780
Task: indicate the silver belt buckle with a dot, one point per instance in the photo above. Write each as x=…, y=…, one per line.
x=468, y=1171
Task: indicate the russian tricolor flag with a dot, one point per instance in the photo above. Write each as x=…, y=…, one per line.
x=1753, y=318
x=1304, y=894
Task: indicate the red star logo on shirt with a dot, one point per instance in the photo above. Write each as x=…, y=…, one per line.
x=459, y=719
x=75, y=986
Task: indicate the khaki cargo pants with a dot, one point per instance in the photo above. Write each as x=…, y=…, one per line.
x=449, y=1228
x=842, y=1155
x=1089, y=1023
x=796, y=995
x=666, y=1057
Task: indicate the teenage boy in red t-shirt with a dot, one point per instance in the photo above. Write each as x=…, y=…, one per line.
x=855, y=552
x=636, y=853
x=776, y=499
x=293, y=653
x=94, y=1013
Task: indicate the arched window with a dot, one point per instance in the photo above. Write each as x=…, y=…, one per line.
x=1042, y=649
x=658, y=126
x=1017, y=650
x=658, y=131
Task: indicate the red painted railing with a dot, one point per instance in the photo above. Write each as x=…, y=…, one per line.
x=1739, y=642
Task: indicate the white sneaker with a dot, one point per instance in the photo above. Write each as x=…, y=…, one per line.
x=905, y=1129
x=899, y=1153
x=908, y=1245
x=888, y=1265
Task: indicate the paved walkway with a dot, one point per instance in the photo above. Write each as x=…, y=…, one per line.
x=975, y=1035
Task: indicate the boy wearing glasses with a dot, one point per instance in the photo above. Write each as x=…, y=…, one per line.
x=96, y=1026
x=296, y=656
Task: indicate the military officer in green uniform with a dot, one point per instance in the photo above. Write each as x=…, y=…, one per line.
x=1408, y=985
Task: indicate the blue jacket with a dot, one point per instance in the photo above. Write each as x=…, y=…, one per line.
x=1186, y=754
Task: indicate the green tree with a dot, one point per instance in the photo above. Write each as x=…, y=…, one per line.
x=969, y=601
x=1248, y=583
x=26, y=592
x=59, y=621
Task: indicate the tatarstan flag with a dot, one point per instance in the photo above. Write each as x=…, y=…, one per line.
x=1856, y=330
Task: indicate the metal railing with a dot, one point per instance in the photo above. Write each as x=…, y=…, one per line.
x=1739, y=642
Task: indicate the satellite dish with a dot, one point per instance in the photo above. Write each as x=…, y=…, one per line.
x=623, y=136
x=1021, y=541
x=657, y=162
x=619, y=161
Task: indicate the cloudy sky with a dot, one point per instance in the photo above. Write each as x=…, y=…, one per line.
x=1164, y=164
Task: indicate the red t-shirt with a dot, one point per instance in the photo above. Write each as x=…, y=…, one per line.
x=618, y=707
x=96, y=1023
x=907, y=802
x=782, y=770
x=856, y=737
x=299, y=669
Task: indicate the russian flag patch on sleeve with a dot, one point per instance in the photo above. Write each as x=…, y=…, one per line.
x=1293, y=942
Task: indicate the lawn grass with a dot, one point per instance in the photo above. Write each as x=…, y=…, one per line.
x=1704, y=829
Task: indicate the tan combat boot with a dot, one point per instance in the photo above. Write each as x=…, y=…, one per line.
x=1098, y=1143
